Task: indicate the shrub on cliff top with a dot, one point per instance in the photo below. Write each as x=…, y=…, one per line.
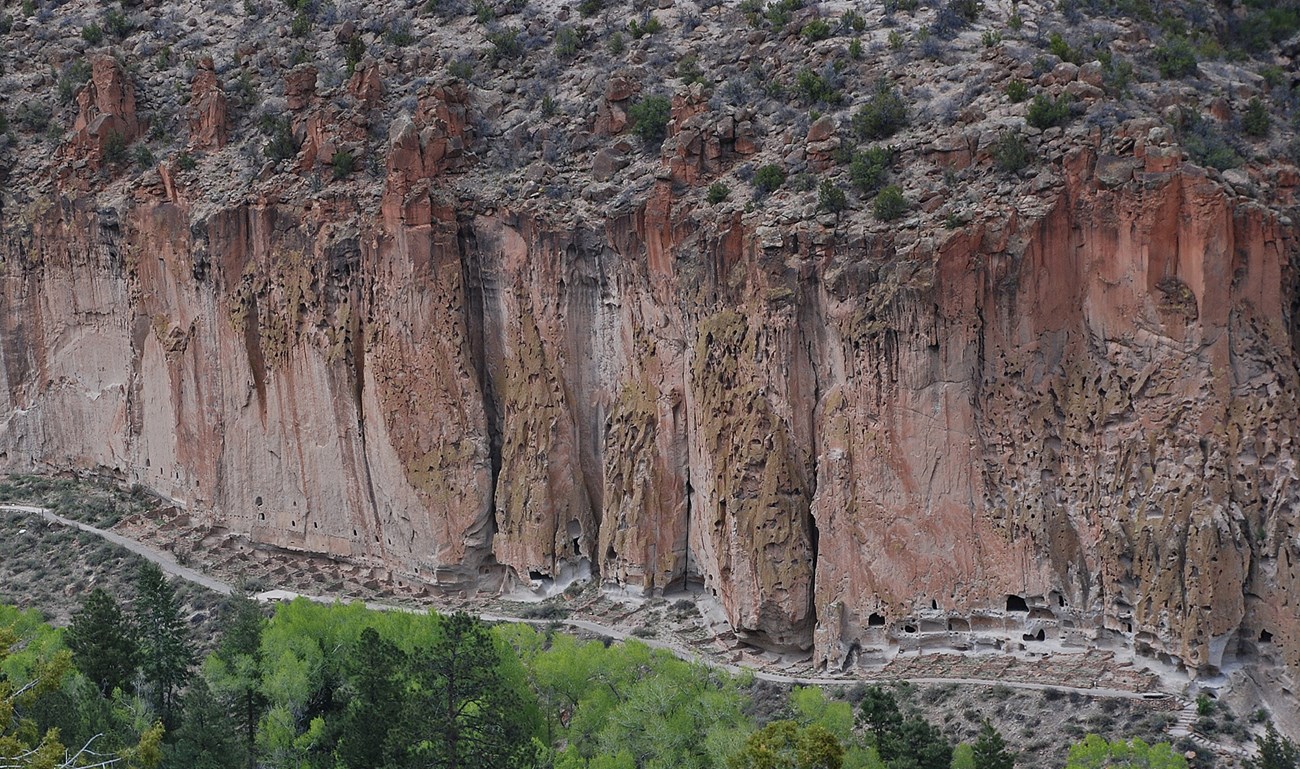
x=279, y=130
x=1256, y=121
x=768, y=178
x=506, y=44
x=831, y=198
x=1176, y=58
x=567, y=41
x=889, y=204
x=813, y=87
x=117, y=24
x=1046, y=112
x=650, y=118
x=884, y=114
x=1010, y=153
x=817, y=29
x=1205, y=144
x=353, y=50
x=870, y=167
x=114, y=148
x=648, y=25
x=343, y=162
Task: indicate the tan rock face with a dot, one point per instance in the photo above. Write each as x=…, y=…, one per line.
x=1080, y=426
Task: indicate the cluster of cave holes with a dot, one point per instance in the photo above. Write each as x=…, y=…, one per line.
x=1014, y=603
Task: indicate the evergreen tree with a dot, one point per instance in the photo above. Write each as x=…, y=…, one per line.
x=1275, y=752
x=103, y=643
x=880, y=715
x=235, y=668
x=166, y=652
x=374, y=677
x=917, y=745
x=464, y=714
x=990, y=750
x=207, y=737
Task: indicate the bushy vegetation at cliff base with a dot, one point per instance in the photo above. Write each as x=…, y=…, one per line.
x=341, y=687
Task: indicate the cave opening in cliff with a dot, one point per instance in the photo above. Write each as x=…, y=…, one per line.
x=1039, y=636
x=1265, y=637
x=875, y=620
x=1017, y=603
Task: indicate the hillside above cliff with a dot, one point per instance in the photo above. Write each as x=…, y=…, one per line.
x=904, y=326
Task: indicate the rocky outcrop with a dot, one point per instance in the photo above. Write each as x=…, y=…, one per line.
x=106, y=119
x=209, y=127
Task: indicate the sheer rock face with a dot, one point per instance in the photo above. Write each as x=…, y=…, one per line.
x=1079, y=423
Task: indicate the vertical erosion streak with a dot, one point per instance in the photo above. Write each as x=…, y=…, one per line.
x=811, y=341
x=581, y=296
x=479, y=287
x=358, y=353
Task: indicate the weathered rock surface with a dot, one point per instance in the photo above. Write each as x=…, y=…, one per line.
x=477, y=334
x=209, y=122
x=1090, y=411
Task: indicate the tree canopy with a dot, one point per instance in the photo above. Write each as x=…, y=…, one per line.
x=1096, y=753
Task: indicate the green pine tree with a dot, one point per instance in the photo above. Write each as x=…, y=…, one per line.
x=464, y=714
x=207, y=737
x=918, y=745
x=235, y=668
x=1275, y=751
x=990, y=750
x=880, y=715
x=103, y=643
x=374, y=677
x=166, y=651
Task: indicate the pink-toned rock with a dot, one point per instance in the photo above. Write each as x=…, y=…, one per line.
x=1062, y=73
x=106, y=112
x=1092, y=74
x=1220, y=109
x=621, y=87
x=207, y=108
x=821, y=129
x=300, y=86
x=366, y=85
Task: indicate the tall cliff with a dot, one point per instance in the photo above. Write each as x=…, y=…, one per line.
x=1058, y=404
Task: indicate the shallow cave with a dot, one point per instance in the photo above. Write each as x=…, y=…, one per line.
x=1017, y=603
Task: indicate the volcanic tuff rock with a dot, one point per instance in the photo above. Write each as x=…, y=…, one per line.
x=509, y=345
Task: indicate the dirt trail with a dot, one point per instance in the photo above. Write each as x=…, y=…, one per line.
x=169, y=565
